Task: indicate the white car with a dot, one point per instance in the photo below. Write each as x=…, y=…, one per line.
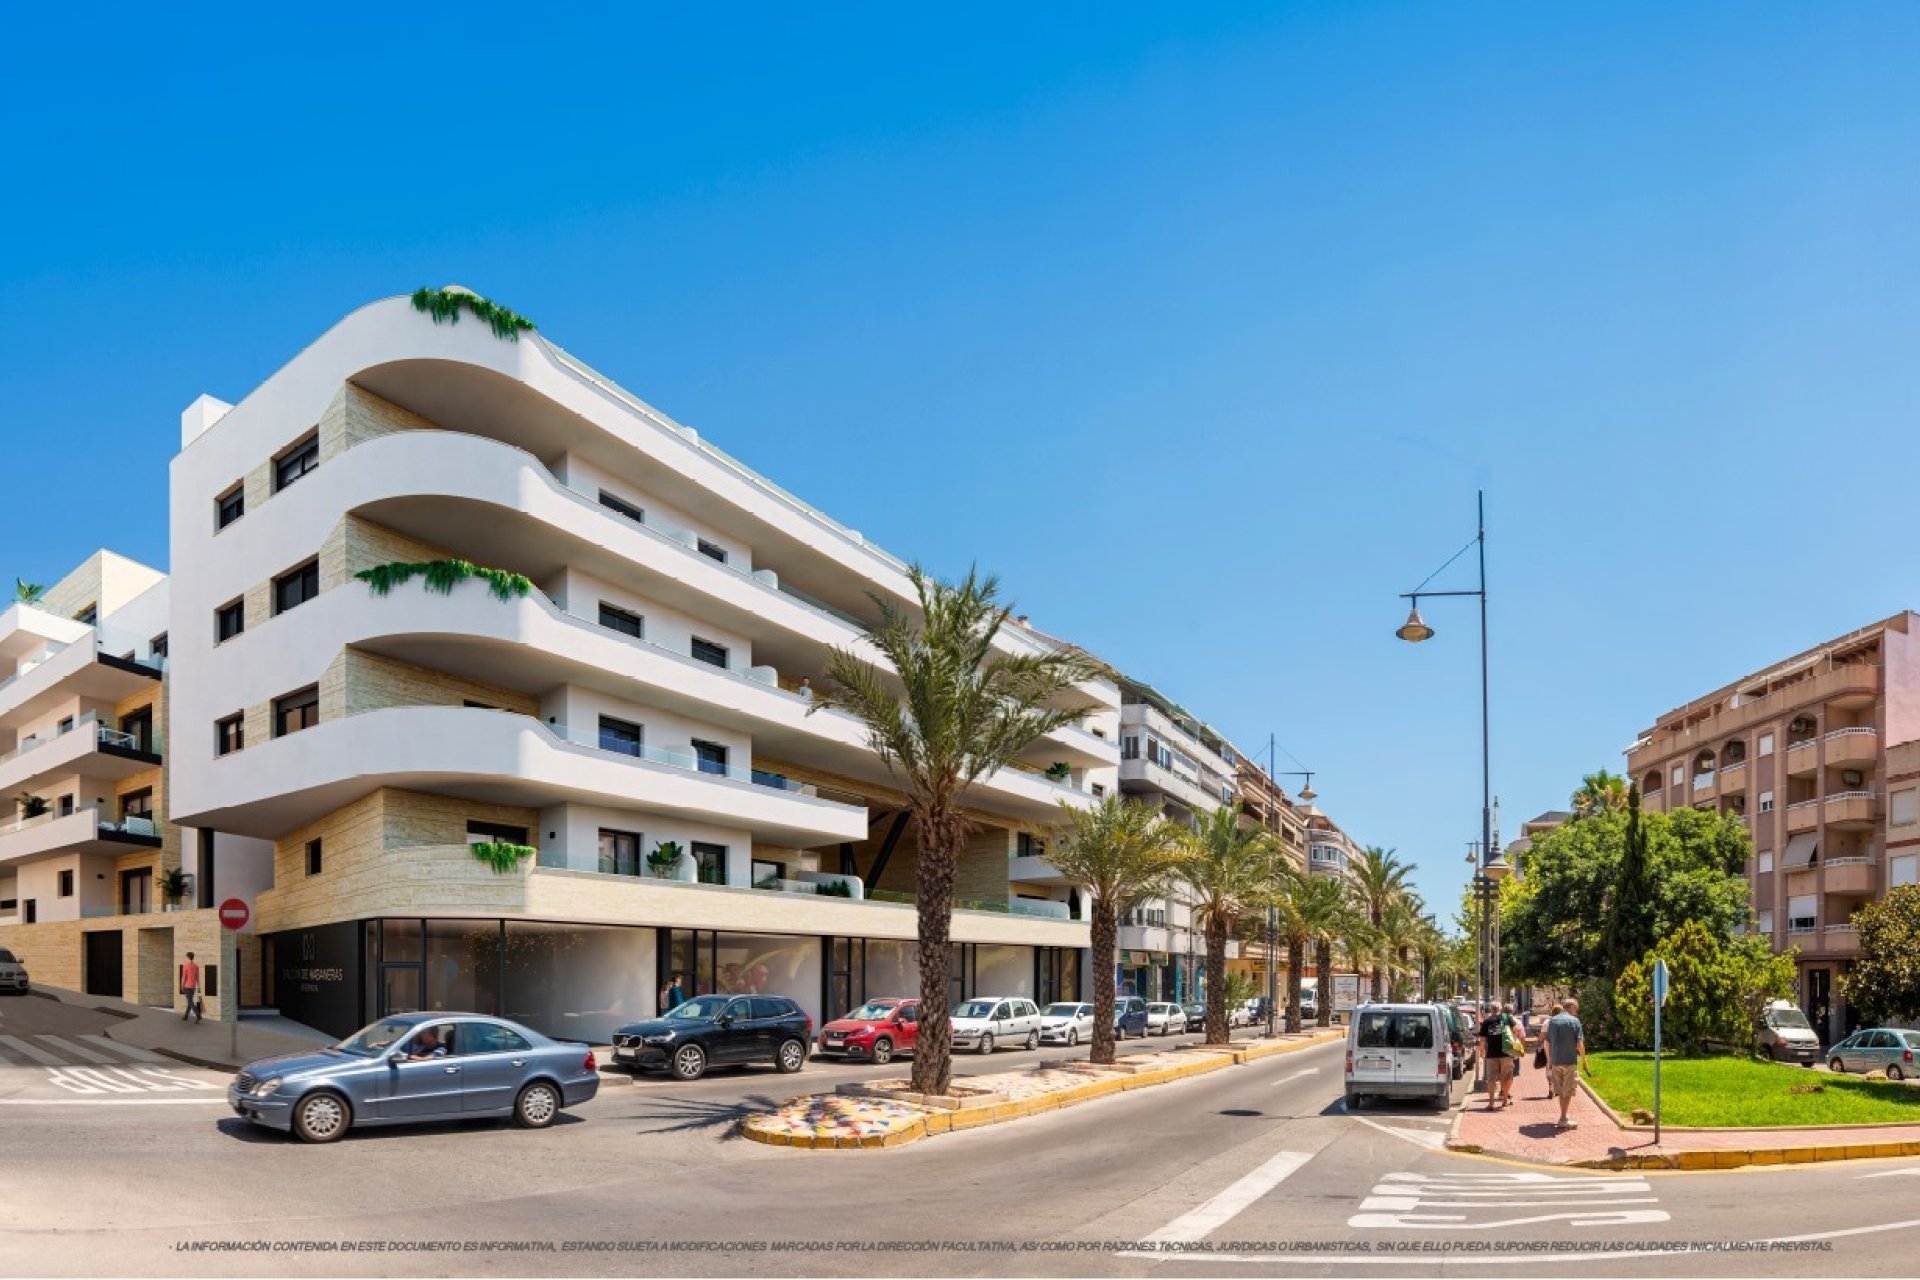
x=1165, y=1019
x=13, y=974
x=1243, y=1015
x=1066, y=1023
x=985, y=1022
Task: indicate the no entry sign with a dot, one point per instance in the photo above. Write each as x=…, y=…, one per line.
x=234, y=914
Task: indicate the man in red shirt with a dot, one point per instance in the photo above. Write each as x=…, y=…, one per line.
x=190, y=988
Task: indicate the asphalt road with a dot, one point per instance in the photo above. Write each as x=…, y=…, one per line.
x=1256, y=1170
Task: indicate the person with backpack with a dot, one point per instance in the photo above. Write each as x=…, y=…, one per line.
x=1500, y=1049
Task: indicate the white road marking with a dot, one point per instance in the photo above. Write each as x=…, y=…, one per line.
x=106, y=1102
x=32, y=1051
x=79, y=1051
x=1205, y=1218
x=1298, y=1075
x=96, y=1080
x=1408, y=1200
x=1432, y=1140
x=1896, y=1173
x=127, y=1050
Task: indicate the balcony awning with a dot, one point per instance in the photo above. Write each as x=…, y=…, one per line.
x=1801, y=850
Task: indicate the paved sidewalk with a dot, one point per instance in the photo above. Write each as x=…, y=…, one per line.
x=1526, y=1131
x=205, y=1044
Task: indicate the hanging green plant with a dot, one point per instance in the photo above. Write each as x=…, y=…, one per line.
x=503, y=856
x=443, y=576
x=445, y=305
x=664, y=858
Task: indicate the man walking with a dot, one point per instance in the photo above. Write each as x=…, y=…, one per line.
x=190, y=988
x=1566, y=1042
x=1493, y=1051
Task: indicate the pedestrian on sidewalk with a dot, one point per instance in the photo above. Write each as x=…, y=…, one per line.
x=190, y=988
x=1493, y=1051
x=1566, y=1043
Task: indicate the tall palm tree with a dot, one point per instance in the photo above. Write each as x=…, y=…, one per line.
x=1599, y=793
x=1327, y=910
x=1229, y=871
x=952, y=710
x=1121, y=851
x=1399, y=937
x=1295, y=934
x=1379, y=879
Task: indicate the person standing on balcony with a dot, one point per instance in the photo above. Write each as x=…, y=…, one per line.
x=190, y=988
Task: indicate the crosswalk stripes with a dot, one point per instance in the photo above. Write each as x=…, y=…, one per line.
x=132, y=1051
x=80, y=1051
x=77, y=1051
x=1488, y=1201
x=33, y=1053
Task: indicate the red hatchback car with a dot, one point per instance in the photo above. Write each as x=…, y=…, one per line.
x=876, y=1030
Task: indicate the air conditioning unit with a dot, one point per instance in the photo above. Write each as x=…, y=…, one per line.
x=1852, y=779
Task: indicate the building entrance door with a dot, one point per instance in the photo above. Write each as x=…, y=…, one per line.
x=401, y=987
x=1820, y=1003
x=102, y=957
x=136, y=892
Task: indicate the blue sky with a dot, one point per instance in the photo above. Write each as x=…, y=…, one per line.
x=1198, y=324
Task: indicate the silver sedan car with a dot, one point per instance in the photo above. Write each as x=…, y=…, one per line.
x=1888, y=1049
x=413, y=1068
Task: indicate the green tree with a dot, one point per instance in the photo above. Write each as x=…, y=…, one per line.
x=1379, y=879
x=1229, y=871
x=1122, y=851
x=1295, y=934
x=1600, y=792
x=952, y=710
x=1717, y=989
x=1884, y=984
x=1630, y=924
x=1328, y=912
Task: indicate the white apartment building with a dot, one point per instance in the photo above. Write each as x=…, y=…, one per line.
x=628, y=681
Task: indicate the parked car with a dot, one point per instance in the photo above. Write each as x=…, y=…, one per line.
x=13, y=974
x=986, y=1021
x=1129, y=1016
x=1164, y=1019
x=1067, y=1023
x=1309, y=1006
x=875, y=1031
x=1787, y=1036
x=1399, y=1051
x=1197, y=1016
x=417, y=1067
x=717, y=1031
x=1463, y=1034
x=1877, y=1048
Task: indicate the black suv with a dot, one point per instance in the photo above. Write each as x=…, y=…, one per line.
x=717, y=1031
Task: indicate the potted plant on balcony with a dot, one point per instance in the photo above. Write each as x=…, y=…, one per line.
x=833, y=889
x=32, y=806
x=664, y=858
x=173, y=888
x=1060, y=771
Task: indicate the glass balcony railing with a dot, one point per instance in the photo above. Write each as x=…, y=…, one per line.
x=613, y=744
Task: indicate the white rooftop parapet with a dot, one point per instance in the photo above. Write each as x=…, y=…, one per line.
x=200, y=415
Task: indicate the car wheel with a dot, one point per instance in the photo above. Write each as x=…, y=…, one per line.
x=1073, y=1037
x=986, y=1044
x=1836, y=1066
x=791, y=1056
x=1353, y=1102
x=882, y=1051
x=322, y=1117
x=537, y=1106
x=1033, y=1041
x=1894, y=1073
x=689, y=1062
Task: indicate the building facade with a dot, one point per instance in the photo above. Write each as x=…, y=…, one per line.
x=1817, y=755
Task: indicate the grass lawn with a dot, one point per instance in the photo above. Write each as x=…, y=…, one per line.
x=1741, y=1093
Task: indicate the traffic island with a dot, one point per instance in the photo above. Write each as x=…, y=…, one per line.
x=888, y=1113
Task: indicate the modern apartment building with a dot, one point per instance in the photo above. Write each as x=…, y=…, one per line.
x=1817, y=755
x=513, y=673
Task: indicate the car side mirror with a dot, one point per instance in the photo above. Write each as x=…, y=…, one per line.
x=397, y=1056
x=726, y=1020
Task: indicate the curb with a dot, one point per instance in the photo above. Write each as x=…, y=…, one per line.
x=943, y=1121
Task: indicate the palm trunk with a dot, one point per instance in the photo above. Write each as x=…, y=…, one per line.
x=1293, y=984
x=1323, y=964
x=940, y=833
x=1106, y=930
x=1216, y=982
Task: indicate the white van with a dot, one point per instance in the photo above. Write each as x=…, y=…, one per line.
x=1398, y=1051
x=986, y=1021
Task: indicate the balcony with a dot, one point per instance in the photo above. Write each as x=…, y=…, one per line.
x=86, y=747
x=1803, y=758
x=1852, y=876
x=1140, y=774
x=1849, y=685
x=1850, y=810
x=1703, y=786
x=84, y=830
x=1733, y=778
x=76, y=670
x=1145, y=937
x=1803, y=815
x=1840, y=940
x=1854, y=748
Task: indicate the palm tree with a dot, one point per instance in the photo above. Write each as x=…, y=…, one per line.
x=1121, y=851
x=1294, y=933
x=1326, y=909
x=1229, y=871
x=25, y=592
x=962, y=711
x=1599, y=793
x=1379, y=878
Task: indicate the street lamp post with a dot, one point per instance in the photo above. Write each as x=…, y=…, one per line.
x=1273, y=912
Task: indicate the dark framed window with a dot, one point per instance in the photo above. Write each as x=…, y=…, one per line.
x=66, y=883
x=765, y=870
x=229, y=506
x=296, y=586
x=620, y=506
x=203, y=874
x=296, y=462
x=64, y=805
x=625, y=621
x=89, y=615
x=137, y=804
x=495, y=833
x=313, y=857
x=229, y=734
x=623, y=736
x=620, y=853
x=158, y=645
x=712, y=757
x=296, y=711
x=710, y=861
x=229, y=620
x=713, y=551
x=708, y=651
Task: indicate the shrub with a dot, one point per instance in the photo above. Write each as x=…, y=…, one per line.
x=1884, y=983
x=445, y=305
x=1715, y=994
x=503, y=856
x=443, y=576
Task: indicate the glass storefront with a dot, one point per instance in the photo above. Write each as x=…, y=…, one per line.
x=577, y=982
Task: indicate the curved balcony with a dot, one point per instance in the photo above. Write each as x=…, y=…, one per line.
x=1854, y=748
x=1803, y=758
x=75, y=670
x=88, y=747
x=1732, y=778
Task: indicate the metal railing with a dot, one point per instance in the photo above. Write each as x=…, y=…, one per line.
x=1850, y=731
x=692, y=763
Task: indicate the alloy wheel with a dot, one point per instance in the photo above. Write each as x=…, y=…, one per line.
x=986, y=1044
x=537, y=1106
x=1895, y=1073
x=1033, y=1042
x=690, y=1062
x=882, y=1051
x=1073, y=1037
x=322, y=1117
x=792, y=1056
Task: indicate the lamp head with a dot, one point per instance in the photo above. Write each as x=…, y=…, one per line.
x=1497, y=868
x=1415, y=629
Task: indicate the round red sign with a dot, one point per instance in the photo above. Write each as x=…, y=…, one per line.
x=234, y=914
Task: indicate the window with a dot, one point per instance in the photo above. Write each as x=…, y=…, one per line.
x=625, y=621
x=1763, y=924
x=66, y=883
x=313, y=857
x=64, y=805
x=620, y=853
x=229, y=620
x=771, y=1007
x=229, y=735
x=203, y=873
x=1028, y=845
x=495, y=833
x=765, y=870
x=1800, y=913
x=89, y=615
x=1766, y=802
x=708, y=651
x=137, y=804
x=296, y=587
x=1130, y=747
x=298, y=710
x=30, y=911
x=1765, y=863
x=1099, y=789
x=710, y=861
x=619, y=735
x=713, y=551
x=1765, y=747
x=711, y=756
x=158, y=645
x=621, y=506
x=1904, y=808
x=491, y=1037
x=65, y=726
x=1679, y=774
x=229, y=506
x=296, y=462
x=1903, y=870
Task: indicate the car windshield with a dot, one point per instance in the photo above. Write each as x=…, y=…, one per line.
x=1792, y=1018
x=699, y=1009
x=876, y=1012
x=378, y=1038
x=975, y=1009
x=6, y=957
x=1064, y=1010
